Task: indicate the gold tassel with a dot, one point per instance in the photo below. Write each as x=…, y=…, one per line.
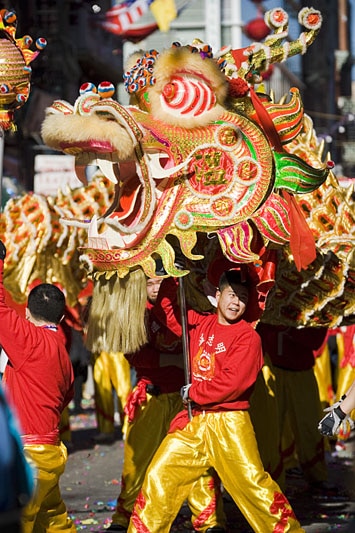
x=117, y=311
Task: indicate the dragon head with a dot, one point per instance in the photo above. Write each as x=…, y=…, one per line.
x=200, y=150
x=192, y=153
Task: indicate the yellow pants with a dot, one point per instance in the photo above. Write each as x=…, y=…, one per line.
x=46, y=512
x=226, y=442
x=345, y=379
x=323, y=373
x=298, y=400
x=111, y=370
x=143, y=437
x=264, y=416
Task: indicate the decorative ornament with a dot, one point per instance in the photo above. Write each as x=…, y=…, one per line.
x=238, y=88
x=141, y=75
x=15, y=73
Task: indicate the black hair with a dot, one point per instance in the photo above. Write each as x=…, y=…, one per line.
x=233, y=277
x=46, y=302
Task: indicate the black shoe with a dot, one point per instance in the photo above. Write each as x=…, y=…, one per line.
x=324, y=491
x=105, y=438
x=78, y=410
x=116, y=527
x=295, y=473
x=215, y=529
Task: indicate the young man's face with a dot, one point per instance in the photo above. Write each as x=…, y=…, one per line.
x=231, y=303
x=153, y=285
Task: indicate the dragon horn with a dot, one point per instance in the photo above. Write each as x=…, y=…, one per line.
x=257, y=57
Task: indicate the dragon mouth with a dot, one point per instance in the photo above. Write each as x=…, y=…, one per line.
x=140, y=184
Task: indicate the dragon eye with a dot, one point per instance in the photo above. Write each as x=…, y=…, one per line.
x=4, y=88
x=169, y=91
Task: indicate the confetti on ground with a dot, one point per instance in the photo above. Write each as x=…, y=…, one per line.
x=91, y=484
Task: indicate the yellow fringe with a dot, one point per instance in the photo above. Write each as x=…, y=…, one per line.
x=116, y=320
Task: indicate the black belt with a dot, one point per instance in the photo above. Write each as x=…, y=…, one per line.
x=154, y=390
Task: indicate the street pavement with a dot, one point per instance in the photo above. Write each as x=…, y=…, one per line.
x=91, y=484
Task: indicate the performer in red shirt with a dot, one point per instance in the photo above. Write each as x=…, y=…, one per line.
x=39, y=384
x=226, y=357
x=150, y=408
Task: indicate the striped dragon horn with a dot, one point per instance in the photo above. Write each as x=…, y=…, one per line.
x=249, y=62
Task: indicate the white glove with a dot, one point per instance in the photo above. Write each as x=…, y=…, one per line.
x=184, y=391
x=332, y=422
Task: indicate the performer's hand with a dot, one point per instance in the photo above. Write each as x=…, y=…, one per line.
x=2, y=251
x=184, y=391
x=330, y=424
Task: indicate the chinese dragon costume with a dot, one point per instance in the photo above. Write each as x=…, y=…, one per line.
x=202, y=163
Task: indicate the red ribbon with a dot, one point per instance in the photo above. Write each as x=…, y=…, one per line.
x=136, y=398
x=302, y=243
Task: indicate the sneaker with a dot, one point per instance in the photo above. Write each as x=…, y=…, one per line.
x=104, y=438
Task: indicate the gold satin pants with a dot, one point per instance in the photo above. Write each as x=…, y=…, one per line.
x=111, y=370
x=46, y=512
x=226, y=442
x=143, y=437
x=345, y=379
x=346, y=374
x=323, y=372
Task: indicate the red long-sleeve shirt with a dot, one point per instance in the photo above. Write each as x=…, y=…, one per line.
x=225, y=362
x=39, y=375
x=147, y=360
x=225, y=359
